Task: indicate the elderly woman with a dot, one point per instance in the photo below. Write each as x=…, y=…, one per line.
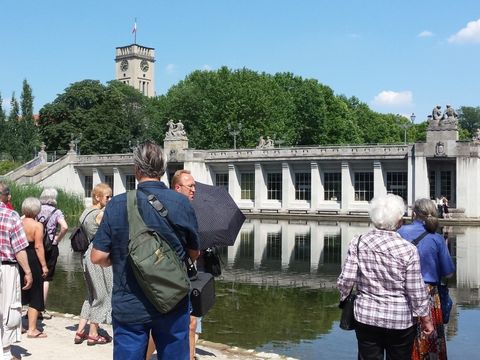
x=436, y=262
x=97, y=306
x=391, y=294
x=51, y=218
x=33, y=297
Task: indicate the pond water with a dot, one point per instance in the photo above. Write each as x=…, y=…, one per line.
x=277, y=291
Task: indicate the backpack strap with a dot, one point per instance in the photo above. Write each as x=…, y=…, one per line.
x=136, y=225
x=45, y=222
x=418, y=239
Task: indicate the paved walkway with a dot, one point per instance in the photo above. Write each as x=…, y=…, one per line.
x=59, y=344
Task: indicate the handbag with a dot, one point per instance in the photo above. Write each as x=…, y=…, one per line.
x=202, y=294
x=446, y=302
x=347, y=319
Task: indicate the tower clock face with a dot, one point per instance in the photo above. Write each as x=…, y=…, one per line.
x=144, y=65
x=124, y=65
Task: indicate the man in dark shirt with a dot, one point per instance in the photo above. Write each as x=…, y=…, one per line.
x=133, y=316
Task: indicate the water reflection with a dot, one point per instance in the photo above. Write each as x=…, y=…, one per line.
x=277, y=291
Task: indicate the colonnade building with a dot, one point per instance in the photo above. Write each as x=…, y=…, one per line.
x=311, y=180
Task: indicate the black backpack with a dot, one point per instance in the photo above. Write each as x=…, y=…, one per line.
x=79, y=237
x=212, y=261
x=47, y=242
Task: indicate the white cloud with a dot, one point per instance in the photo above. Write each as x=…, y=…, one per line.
x=170, y=68
x=425, y=33
x=469, y=34
x=206, y=67
x=393, y=98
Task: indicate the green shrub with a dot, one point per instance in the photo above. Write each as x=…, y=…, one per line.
x=7, y=165
x=71, y=204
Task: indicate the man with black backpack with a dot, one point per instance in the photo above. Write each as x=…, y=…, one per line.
x=133, y=315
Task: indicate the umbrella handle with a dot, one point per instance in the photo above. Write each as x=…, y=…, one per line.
x=191, y=268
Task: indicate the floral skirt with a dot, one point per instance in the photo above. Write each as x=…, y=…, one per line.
x=433, y=346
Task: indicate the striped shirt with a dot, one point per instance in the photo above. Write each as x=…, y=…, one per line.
x=391, y=291
x=12, y=236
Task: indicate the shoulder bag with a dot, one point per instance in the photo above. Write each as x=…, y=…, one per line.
x=347, y=319
x=159, y=271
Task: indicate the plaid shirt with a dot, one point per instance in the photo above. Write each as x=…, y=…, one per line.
x=12, y=236
x=391, y=290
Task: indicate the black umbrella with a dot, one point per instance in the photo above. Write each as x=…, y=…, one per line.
x=219, y=218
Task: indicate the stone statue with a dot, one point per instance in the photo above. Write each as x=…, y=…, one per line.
x=437, y=113
x=175, y=131
x=261, y=143
x=449, y=113
x=476, y=137
x=269, y=143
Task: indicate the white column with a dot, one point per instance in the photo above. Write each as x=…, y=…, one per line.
x=118, y=182
x=260, y=241
x=379, y=187
x=347, y=187
x=288, y=244
x=468, y=192
x=316, y=245
x=410, y=179
x=420, y=181
x=233, y=182
x=317, y=187
x=97, y=177
x=260, y=187
x=287, y=186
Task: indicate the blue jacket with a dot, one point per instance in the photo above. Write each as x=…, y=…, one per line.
x=435, y=259
x=129, y=304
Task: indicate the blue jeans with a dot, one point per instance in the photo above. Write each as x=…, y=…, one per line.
x=170, y=333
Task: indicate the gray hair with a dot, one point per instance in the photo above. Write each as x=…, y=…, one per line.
x=49, y=197
x=149, y=160
x=386, y=211
x=31, y=207
x=425, y=210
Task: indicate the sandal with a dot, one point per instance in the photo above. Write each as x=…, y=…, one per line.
x=80, y=337
x=96, y=340
x=102, y=332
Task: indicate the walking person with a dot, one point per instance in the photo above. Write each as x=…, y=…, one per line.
x=13, y=243
x=97, y=306
x=436, y=262
x=51, y=217
x=33, y=297
x=391, y=295
x=133, y=315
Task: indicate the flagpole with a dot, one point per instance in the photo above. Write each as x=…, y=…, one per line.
x=135, y=31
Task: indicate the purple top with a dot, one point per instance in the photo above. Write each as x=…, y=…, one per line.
x=45, y=212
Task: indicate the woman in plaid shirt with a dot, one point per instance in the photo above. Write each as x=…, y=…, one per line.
x=391, y=293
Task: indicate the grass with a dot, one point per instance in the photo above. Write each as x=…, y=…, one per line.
x=71, y=205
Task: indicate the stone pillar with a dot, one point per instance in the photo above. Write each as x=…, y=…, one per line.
x=233, y=182
x=260, y=241
x=317, y=187
x=260, y=187
x=287, y=186
x=118, y=181
x=97, y=176
x=379, y=187
x=347, y=187
x=420, y=178
x=468, y=192
x=42, y=154
x=410, y=197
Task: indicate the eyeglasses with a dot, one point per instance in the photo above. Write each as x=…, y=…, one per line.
x=191, y=186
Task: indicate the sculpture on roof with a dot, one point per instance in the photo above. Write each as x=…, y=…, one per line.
x=265, y=144
x=175, y=131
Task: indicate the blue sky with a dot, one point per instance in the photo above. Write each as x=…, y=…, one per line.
x=397, y=56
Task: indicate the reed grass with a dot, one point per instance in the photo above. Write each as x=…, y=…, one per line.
x=71, y=204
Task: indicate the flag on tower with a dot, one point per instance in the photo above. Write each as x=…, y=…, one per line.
x=134, y=30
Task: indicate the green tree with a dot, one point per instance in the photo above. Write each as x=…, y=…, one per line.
x=469, y=120
x=27, y=131
x=104, y=118
x=3, y=125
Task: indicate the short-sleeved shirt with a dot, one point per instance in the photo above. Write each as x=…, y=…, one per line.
x=44, y=213
x=391, y=291
x=12, y=235
x=435, y=259
x=129, y=304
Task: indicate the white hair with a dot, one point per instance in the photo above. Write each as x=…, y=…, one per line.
x=31, y=207
x=49, y=196
x=386, y=211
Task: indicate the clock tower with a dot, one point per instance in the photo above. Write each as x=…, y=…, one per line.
x=135, y=65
